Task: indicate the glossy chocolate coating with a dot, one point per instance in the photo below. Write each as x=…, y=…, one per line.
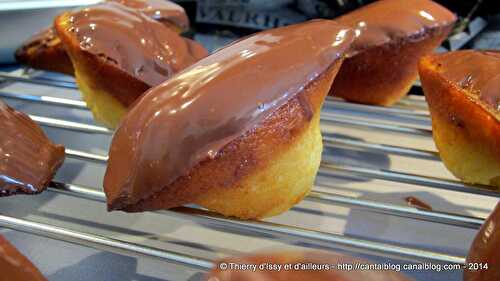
x=160, y=10
x=193, y=115
x=387, y=21
x=490, y=92
x=138, y=45
x=484, y=250
x=28, y=159
x=14, y=266
x=311, y=265
x=44, y=50
x=478, y=72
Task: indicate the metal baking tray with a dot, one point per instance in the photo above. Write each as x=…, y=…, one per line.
x=373, y=159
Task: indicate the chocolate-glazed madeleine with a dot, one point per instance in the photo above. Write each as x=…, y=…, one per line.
x=44, y=50
x=391, y=36
x=305, y=265
x=237, y=132
x=483, y=260
x=118, y=53
x=14, y=266
x=28, y=160
x=463, y=92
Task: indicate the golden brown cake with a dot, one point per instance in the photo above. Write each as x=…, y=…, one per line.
x=483, y=261
x=298, y=266
x=391, y=36
x=118, y=53
x=45, y=51
x=28, y=159
x=463, y=92
x=14, y=266
x=238, y=132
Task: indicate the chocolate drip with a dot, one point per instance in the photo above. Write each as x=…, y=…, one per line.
x=161, y=10
x=14, y=266
x=417, y=203
x=484, y=251
x=140, y=46
x=478, y=72
x=28, y=159
x=193, y=115
x=389, y=20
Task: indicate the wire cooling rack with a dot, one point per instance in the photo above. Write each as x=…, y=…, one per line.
x=373, y=159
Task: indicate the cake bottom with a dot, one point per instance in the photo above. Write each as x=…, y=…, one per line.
x=466, y=135
x=463, y=155
x=276, y=187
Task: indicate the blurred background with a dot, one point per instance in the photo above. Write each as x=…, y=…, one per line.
x=217, y=22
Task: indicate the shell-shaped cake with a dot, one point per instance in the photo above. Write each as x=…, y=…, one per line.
x=238, y=132
x=391, y=37
x=463, y=92
x=118, y=53
x=45, y=50
x=28, y=159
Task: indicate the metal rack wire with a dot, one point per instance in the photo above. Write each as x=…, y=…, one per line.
x=410, y=108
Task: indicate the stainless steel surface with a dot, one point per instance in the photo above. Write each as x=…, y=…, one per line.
x=274, y=228
x=32, y=79
x=433, y=182
x=373, y=158
x=99, y=242
x=63, y=124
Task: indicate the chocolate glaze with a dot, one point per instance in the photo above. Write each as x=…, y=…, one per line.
x=392, y=20
x=193, y=115
x=490, y=92
x=28, y=159
x=484, y=250
x=478, y=72
x=138, y=45
x=417, y=203
x=166, y=12
x=306, y=261
x=14, y=266
x=160, y=10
